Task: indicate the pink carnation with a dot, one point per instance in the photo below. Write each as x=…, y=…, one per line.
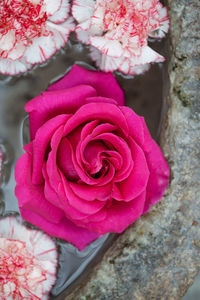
x=31, y=31
x=118, y=31
x=28, y=260
x=91, y=166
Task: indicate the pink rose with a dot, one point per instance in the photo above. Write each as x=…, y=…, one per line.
x=92, y=166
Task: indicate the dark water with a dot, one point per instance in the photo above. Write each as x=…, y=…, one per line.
x=145, y=94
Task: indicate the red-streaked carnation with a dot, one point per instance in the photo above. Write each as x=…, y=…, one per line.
x=91, y=166
x=1, y=162
x=31, y=31
x=118, y=30
x=28, y=261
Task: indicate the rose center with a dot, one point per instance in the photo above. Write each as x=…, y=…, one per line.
x=26, y=18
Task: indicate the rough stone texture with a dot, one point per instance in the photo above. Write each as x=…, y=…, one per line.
x=159, y=256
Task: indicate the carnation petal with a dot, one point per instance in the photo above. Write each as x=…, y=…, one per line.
x=62, y=13
x=148, y=55
x=16, y=52
x=41, y=49
x=82, y=9
x=109, y=47
x=82, y=35
x=37, y=255
x=105, y=62
x=60, y=32
x=65, y=230
x=52, y=7
x=7, y=41
x=8, y=66
x=105, y=84
x=163, y=21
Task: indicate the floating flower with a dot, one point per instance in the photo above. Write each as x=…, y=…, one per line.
x=92, y=166
x=31, y=31
x=118, y=32
x=28, y=260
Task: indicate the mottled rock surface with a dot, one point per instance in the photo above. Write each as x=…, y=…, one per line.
x=159, y=256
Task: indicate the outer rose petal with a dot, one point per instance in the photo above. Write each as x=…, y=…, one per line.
x=159, y=175
x=105, y=84
x=31, y=197
x=49, y=104
x=66, y=230
x=119, y=216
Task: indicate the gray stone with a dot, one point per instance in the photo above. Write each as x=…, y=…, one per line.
x=158, y=257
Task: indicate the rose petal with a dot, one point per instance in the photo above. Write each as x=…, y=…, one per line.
x=100, y=99
x=53, y=171
x=50, y=104
x=135, y=124
x=87, y=129
x=159, y=175
x=119, y=216
x=41, y=143
x=65, y=230
x=105, y=112
x=58, y=198
x=31, y=196
x=122, y=147
x=137, y=181
x=87, y=207
x=64, y=160
x=105, y=84
x=90, y=193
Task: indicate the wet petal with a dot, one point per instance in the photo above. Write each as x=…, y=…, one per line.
x=105, y=84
